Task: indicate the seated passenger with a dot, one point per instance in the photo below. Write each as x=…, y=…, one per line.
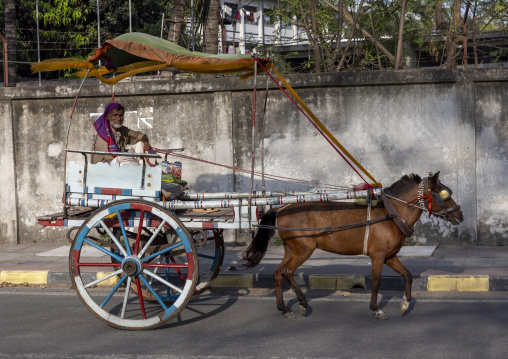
x=112, y=136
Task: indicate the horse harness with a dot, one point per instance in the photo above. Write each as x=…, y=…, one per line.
x=424, y=194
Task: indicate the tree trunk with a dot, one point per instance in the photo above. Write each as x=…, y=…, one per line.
x=175, y=27
x=398, y=55
x=10, y=36
x=211, y=27
x=315, y=41
x=452, y=31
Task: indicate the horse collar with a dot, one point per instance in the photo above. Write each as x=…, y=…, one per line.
x=405, y=227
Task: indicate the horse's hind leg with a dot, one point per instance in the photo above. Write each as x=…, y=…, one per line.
x=293, y=263
x=278, y=279
x=285, y=271
x=395, y=264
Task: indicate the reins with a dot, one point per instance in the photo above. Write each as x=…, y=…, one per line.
x=330, y=229
x=405, y=227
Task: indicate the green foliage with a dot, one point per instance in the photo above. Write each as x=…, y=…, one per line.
x=60, y=13
x=68, y=28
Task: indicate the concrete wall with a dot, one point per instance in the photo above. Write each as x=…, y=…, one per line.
x=394, y=123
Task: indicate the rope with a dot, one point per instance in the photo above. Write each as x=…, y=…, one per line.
x=411, y=204
x=281, y=178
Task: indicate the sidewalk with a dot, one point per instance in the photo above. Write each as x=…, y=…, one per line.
x=442, y=268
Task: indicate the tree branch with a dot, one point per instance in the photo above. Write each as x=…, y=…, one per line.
x=366, y=34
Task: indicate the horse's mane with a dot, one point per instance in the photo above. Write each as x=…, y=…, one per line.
x=402, y=184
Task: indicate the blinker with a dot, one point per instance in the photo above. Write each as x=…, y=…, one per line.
x=444, y=194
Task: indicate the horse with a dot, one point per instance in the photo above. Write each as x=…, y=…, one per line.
x=347, y=233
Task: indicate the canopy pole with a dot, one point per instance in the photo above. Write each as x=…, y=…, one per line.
x=67, y=141
x=252, y=138
x=263, y=138
x=38, y=40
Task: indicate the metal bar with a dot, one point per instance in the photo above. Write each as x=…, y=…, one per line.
x=85, y=171
x=6, y=63
x=162, y=24
x=67, y=140
x=318, y=197
x=143, y=174
x=253, y=143
x=229, y=203
x=263, y=138
x=125, y=154
x=130, y=17
x=223, y=30
x=236, y=195
x=192, y=24
x=38, y=41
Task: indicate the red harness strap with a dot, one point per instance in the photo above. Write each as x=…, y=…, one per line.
x=428, y=197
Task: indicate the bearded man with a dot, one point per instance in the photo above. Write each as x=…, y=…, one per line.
x=112, y=135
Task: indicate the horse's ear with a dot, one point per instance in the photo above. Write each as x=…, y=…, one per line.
x=433, y=179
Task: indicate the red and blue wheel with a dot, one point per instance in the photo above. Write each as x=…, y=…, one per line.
x=104, y=284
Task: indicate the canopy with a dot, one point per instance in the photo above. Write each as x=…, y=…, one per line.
x=135, y=53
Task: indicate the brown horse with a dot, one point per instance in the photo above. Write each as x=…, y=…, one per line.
x=392, y=221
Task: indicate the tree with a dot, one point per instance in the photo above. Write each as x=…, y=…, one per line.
x=177, y=17
x=211, y=27
x=450, y=28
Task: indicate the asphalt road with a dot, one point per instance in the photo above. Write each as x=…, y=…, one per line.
x=53, y=323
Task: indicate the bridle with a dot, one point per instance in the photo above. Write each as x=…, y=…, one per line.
x=426, y=196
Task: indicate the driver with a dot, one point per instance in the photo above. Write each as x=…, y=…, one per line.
x=112, y=136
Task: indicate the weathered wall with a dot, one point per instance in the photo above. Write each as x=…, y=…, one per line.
x=394, y=123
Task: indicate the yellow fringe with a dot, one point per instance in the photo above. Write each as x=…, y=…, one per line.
x=60, y=64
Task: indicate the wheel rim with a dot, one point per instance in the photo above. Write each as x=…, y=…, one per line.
x=132, y=264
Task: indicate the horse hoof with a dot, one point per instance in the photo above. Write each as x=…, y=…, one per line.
x=290, y=315
x=404, y=307
x=379, y=314
x=302, y=309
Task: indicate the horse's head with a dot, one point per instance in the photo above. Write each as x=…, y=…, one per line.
x=437, y=198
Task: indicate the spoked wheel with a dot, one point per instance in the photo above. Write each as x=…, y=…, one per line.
x=145, y=264
x=210, y=251
x=211, y=255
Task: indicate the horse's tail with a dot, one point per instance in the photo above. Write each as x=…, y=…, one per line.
x=257, y=248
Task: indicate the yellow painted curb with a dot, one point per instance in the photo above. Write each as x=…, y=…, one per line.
x=341, y=281
x=110, y=281
x=30, y=277
x=350, y=281
x=477, y=283
x=317, y=281
x=234, y=281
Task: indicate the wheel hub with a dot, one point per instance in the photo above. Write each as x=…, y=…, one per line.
x=131, y=266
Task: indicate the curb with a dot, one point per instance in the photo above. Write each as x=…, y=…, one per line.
x=458, y=283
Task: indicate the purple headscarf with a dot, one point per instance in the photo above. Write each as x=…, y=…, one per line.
x=104, y=130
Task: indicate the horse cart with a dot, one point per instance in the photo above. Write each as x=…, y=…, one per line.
x=158, y=253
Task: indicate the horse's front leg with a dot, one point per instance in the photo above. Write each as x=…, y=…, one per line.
x=377, y=268
x=395, y=264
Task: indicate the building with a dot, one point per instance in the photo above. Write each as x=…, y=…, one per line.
x=250, y=25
